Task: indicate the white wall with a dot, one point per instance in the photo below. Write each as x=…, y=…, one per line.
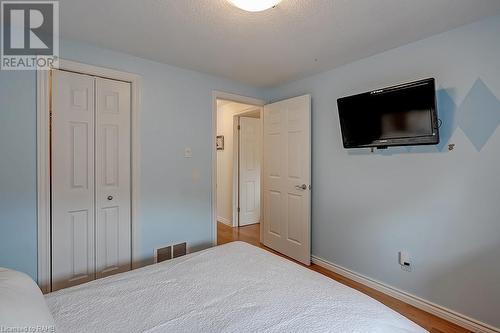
x=225, y=116
x=443, y=207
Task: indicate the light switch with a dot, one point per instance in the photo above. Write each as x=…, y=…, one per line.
x=188, y=153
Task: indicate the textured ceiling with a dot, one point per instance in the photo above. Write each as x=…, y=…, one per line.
x=293, y=40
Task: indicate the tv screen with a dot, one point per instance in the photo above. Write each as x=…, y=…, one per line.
x=396, y=116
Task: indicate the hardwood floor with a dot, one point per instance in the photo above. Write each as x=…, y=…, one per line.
x=251, y=234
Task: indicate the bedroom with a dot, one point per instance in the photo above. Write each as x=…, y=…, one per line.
x=436, y=204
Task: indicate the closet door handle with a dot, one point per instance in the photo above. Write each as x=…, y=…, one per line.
x=110, y=197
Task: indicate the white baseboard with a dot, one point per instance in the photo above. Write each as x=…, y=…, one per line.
x=437, y=310
x=225, y=221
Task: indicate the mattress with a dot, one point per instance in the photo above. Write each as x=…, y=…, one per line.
x=235, y=287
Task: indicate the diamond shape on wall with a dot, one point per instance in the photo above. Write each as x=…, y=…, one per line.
x=479, y=114
x=447, y=114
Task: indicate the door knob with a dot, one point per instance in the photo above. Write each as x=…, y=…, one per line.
x=110, y=197
x=301, y=187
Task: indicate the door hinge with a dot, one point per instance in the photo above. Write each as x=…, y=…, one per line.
x=239, y=127
x=238, y=209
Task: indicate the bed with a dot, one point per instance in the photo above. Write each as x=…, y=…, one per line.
x=235, y=287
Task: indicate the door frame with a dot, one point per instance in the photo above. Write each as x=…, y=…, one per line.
x=236, y=158
x=43, y=83
x=234, y=98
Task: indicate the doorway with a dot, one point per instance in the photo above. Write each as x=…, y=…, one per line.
x=285, y=172
x=239, y=157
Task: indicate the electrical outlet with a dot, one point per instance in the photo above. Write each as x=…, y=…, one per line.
x=404, y=261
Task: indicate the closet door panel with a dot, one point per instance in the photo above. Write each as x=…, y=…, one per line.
x=72, y=172
x=112, y=174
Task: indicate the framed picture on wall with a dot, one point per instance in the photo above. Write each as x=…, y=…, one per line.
x=220, y=142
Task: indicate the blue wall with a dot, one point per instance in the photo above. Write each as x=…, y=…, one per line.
x=18, y=237
x=177, y=113
x=441, y=206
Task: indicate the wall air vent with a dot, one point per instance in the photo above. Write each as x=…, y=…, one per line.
x=169, y=252
x=179, y=250
x=162, y=254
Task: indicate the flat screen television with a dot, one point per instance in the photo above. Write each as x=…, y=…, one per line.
x=403, y=115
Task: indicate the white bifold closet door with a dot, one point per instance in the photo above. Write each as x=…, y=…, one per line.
x=112, y=177
x=73, y=222
x=90, y=176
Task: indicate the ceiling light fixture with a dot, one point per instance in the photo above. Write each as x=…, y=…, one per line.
x=254, y=5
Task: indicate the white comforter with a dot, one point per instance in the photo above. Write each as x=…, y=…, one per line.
x=231, y=288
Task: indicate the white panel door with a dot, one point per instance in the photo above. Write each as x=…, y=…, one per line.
x=72, y=179
x=287, y=178
x=249, y=173
x=112, y=177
